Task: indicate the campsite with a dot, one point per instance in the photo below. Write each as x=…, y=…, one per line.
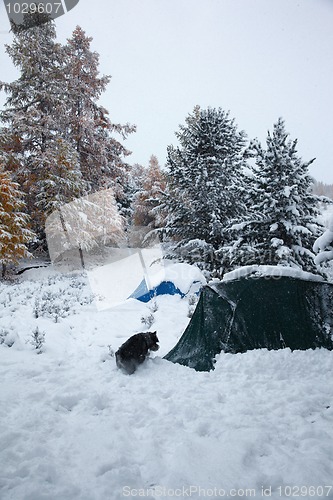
x=270, y=308
x=73, y=424
x=166, y=249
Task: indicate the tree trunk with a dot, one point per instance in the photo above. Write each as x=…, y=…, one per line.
x=81, y=257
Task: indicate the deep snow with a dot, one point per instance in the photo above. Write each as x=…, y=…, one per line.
x=73, y=427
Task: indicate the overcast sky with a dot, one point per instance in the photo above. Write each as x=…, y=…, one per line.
x=260, y=59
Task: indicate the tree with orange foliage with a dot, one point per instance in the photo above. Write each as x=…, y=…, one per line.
x=55, y=139
x=33, y=143
x=14, y=228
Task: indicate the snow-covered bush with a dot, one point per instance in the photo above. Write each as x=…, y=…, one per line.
x=52, y=304
x=7, y=337
x=148, y=320
x=153, y=306
x=54, y=300
x=37, y=340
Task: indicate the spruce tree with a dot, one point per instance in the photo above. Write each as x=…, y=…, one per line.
x=204, y=185
x=280, y=226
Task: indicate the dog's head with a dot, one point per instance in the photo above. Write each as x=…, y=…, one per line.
x=152, y=341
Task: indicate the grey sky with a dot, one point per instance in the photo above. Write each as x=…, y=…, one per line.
x=260, y=59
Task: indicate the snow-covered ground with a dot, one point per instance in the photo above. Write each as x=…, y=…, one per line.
x=73, y=427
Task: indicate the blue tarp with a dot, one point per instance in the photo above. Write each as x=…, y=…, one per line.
x=164, y=288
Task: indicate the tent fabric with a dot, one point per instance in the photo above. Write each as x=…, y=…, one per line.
x=169, y=279
x=140, y=291
x=143, y=294
x=253, y=313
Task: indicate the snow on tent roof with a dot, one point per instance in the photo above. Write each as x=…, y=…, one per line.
x=276, y=271
x=180, y=274
x=253, y=313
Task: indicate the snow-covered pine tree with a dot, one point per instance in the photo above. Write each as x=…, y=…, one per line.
x=323, y=247
x=34, y=117
x=14, y=227
x=101, y=155
x=204, y=185
x=280, y=226
x=137, y=175
x=149, y=197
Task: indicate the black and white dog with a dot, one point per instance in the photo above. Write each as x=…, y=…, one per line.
x=135, y=350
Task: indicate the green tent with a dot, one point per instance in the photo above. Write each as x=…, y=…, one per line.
x=253, y=313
